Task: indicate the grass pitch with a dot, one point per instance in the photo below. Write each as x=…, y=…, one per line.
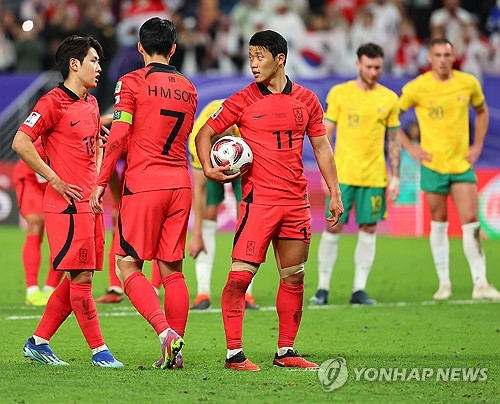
x=405, y=332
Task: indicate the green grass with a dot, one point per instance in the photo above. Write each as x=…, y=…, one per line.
x=411, y=335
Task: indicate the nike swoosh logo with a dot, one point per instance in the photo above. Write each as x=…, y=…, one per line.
x=73, y=123
x=259, y=116
x=90, y=318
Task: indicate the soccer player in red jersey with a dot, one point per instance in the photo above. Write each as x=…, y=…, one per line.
x=273, y=115
x=30, y=188
x=154, y=114
x=67, y=120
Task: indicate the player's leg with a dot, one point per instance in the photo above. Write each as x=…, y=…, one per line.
x=205, y=259
x=32, y=257
x=254, y=230
x=370, y=209
x=437, y=188
x=291, y=249
x=465, y=197
x=170, y=254
x=86, y=252
x=155, y=276
x=328, y=246
x=114, y=292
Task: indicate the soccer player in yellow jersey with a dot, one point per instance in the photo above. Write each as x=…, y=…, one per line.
x=441, y=99
x=362, y=111
x=207, y=196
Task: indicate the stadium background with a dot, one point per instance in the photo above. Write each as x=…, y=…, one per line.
x=223, y=71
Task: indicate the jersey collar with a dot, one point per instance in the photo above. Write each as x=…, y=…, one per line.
x=265, y=91
x=70, y=93
x=160, y=67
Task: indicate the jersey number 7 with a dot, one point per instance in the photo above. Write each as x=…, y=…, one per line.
x=179, y=116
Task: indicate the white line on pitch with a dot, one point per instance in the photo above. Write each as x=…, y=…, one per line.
x=130, y=311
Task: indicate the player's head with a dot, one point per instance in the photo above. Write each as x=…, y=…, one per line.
x=267, y=52
x=80, y=55
x=441, y=56
x=157, y=36
x=370, y=63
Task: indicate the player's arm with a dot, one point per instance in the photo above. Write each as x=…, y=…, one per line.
x=195, y=244
x=394, y=152
x=115, y=145
x=203, y=145
x=414, y=150
x=326, y=163
x=480, y=128
x=330, y=129
x=23, y=146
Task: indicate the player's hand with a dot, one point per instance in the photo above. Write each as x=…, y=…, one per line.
x=474, y=153
x=217, y=174
x=336, y=207
x=67, y=191
x=419, y=154
x=104, y=137
x=393, y=189
x=95, y=199
x=195, y=246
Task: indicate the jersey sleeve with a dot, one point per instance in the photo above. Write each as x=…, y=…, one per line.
x=315, y=126
x=227, y=115
x=393, y=117
x=120, y=130
x=332, y=105
x=407, y=99
x=40, y=120
x=477, y=95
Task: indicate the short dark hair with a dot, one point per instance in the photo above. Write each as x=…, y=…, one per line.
x=370, y=50
x=157, y=36
x=270, y=40
x=440, y=41
x=75, y=47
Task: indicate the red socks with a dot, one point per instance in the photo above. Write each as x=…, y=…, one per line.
x=233, y=306
x=289, y=308
x=53, y=278
x=113, y=277
x=145, y=300
x=176, y=301
x=85, y=311
x=156, y=280
x=31, y=259
x=57, y=310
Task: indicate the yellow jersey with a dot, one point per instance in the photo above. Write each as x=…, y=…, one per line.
x=442, y=109
x=361, y=119
x=205, y=113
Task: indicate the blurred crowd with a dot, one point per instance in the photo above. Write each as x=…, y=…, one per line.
x=323, y=35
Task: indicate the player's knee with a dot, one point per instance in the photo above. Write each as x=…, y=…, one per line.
x=295, y=271
x=125, y=264
x=35, y=224
x=244, y=266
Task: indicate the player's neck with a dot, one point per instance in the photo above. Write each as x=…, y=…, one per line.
x=442, y=76
x=156, y=59
x=76, y=87
x=363, y=85
x=276, y=84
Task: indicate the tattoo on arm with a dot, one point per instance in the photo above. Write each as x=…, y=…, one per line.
x=394, y=151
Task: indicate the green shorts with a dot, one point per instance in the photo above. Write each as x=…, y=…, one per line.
x=370, y=204
x=432, y=181
x=215, y=191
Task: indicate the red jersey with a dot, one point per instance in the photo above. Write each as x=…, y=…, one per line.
x=274, y=125
x=154, y=115
x=68, y=126
x=23, y=170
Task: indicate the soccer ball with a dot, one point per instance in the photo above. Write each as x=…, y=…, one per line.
x=233, y=152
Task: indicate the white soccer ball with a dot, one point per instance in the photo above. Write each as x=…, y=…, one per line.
x=233, y=152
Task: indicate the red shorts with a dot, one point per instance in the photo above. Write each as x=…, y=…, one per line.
x=153, y=225
x=258, y=225
x=29, y=194
x=76, y=241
